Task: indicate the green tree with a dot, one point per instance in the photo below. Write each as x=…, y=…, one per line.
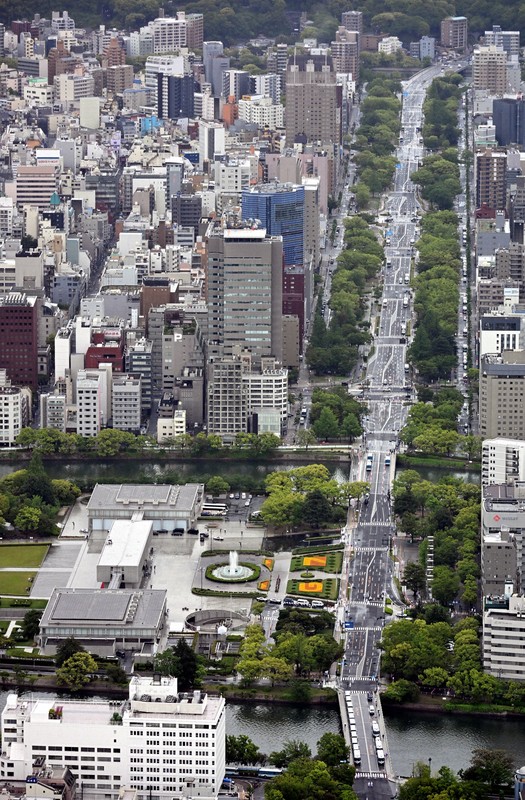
x=65, y=492
x=495, y=768
x=28, y=519
x=292, y=750
x=180, y=662
x=116, y=674
x=316, y=509
x=242, y=750
x=445, y=585
x=77, y=671
x=31, y=623
x=332, y=749
x=217, y=485
x=67, y=648
x=305, y=437
x=327, y=426
x=402, y=691
x=309, y=779
x=414, y=577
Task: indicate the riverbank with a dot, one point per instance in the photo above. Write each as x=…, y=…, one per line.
x=441, y=705
x=280, y=695
x=415, y=460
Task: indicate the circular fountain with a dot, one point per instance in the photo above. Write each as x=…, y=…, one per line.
x=233, y=571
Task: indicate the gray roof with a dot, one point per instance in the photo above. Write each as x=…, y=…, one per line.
x=106, y=606
x=144, y=496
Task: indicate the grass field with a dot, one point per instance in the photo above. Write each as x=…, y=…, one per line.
x=15, y=582
x=22, y=555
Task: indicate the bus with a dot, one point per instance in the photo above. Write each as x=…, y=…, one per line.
x=214, y=510
x=253, y=772
x=380, y=757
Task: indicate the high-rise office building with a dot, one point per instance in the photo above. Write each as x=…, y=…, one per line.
x=280, y=209
x=454, y=32
x=502, y=461
x=19, y=339
x=501, y=387
x=235, y=83
x=244, y=292
x=313, y=101
x=175, y=96
x=212, y=140
x=209, y=51
x=508, y=114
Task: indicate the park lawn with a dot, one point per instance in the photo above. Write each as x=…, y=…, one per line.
x=22, y=555
x=15, y=583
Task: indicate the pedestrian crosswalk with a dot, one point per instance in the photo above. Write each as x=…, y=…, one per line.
x=370, y=775
x=359, y=549
x=367, y=628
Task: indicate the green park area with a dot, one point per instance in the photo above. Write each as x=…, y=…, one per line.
x=330, y=561
x=21, y=555
x=326, y=589
x=16, y=583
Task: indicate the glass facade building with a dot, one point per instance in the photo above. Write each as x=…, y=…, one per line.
x=280, y=209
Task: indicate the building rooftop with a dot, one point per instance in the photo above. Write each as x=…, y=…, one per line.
x=137, y=609
x=144, y=497
x=125, y=544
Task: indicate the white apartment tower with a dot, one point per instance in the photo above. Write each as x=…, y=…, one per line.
x=126, y=403
x=92, y=411
x=163, y=743
x=502, y=461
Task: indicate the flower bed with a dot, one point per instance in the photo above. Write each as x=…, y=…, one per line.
x=326, y=589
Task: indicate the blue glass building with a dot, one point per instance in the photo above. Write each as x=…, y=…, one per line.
x=280, y=209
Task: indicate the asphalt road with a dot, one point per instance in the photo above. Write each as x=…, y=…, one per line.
x=387, y=388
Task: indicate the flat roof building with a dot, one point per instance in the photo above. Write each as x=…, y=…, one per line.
x=104, y=620
x=501, y=386
x=160, y=742
x=503, y=635
x=123, y=557
x=167, y=506
x=502, y=461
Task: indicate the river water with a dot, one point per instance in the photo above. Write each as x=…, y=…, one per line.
x=136, y=471
x=127, y=471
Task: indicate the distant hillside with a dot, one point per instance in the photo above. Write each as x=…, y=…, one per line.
x=234, y=21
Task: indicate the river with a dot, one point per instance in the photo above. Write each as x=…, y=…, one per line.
x=241, y=474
